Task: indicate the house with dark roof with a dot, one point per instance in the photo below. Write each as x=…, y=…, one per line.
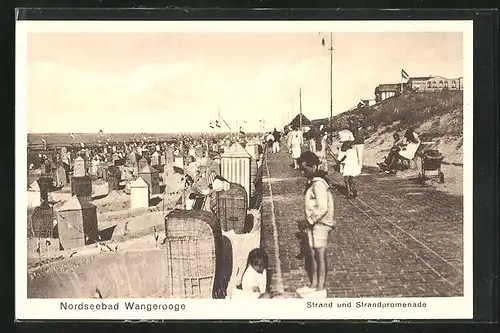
x=418, y=83
x=366, y=102
x=385, y=91
x=297, y=121
x=318, y=122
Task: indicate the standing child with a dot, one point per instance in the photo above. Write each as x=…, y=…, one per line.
x=348, y=158
x=319, y=214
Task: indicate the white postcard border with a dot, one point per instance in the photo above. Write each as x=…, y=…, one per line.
x=436, y=308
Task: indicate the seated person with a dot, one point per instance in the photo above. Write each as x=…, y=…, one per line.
x=254, y=280
x=403, y=150
x=411, y=143
x=396, y=147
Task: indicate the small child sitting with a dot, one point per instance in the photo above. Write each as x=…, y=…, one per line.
x=254, y=281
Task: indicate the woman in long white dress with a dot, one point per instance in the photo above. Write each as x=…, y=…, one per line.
x=295, y=143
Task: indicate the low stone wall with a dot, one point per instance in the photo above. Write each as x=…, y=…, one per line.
x=129, y=273
x=122, y=274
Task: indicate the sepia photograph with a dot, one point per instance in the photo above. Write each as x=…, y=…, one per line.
x=325, y=163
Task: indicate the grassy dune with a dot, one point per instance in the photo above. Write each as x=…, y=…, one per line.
x=413, y=109
x=436, y=117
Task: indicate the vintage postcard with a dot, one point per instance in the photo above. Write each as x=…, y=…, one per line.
x=244, y=170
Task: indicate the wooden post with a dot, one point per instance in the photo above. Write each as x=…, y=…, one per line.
x=331, y=85
x=300, y=107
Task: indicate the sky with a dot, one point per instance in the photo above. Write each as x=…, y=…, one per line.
x=176, y=82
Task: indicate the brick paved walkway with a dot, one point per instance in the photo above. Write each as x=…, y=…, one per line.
x=398, y=238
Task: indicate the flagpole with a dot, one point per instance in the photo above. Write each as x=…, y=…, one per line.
x=331, y=81
x=405, y=76
x=288, y=112
x=401, y=78
x=300, y=107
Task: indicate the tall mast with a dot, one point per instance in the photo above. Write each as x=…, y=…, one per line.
x=331, y=77
x=300, y=106
x=218, y=129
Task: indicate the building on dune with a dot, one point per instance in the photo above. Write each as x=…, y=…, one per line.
x=418, y=84
x=434, y=83
x=385, y=91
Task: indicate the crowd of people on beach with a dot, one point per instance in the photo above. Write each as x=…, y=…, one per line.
x=345, y=148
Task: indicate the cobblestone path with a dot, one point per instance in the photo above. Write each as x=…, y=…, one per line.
x=398, y=238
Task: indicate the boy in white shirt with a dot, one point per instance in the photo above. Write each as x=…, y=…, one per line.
x=319, y=211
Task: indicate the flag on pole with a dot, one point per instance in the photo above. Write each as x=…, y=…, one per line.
x=404, y=75
x=226, y=124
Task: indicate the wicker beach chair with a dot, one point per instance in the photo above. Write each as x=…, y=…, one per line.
x=193, y=242
x=232, y=208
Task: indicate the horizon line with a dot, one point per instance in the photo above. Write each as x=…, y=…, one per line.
x=138, y=133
